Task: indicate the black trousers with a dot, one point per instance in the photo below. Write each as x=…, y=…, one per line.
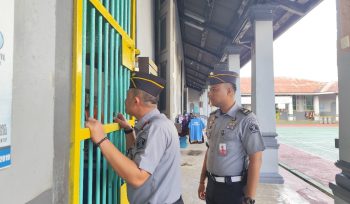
x=223, y=193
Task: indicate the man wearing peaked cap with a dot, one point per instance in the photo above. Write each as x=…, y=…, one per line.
x=219, y=77
x=152, y=166
x=234, y=155
x=147, y=82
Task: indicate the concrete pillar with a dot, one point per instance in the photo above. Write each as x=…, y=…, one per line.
x=290, y=112
x=186, y=102
x=263, y=96
x=337, y=109
x=317, y=108
x=206, y=110
x=234, y=64
x=341, y=188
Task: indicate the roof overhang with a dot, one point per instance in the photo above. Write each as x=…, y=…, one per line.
x=209, y=26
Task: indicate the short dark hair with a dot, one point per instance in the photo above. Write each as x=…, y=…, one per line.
x=234, y=86
x=145, y=97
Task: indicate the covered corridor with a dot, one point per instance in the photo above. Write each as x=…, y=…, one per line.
x=62, y=61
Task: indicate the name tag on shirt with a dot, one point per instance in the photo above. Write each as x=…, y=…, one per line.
x=222, y=149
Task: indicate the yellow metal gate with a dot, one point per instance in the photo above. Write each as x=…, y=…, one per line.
x=103, y=57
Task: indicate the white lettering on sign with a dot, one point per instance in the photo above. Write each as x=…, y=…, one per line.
x=5, y=158
x=6, y=75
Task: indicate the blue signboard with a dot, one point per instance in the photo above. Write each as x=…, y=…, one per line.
x=6, y=73
x=5, y=157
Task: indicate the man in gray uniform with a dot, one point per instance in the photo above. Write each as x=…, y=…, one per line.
x=152, y=168
x=234, y=155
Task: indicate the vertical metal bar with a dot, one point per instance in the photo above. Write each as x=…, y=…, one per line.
x=124, y=97
x=115, y=103
x=123, y=85
x=82, y=143
x=119, y=11
x=91, y=104
x=111, y=104
x=106, y=63
x=81, y=181
x=116, y=81
x=133, y=20
x=105, y=49
x=120, y=89
x=128, y=83
x=129, y=16
x=122, y=22
x=99, y=109
x=122, y=13
x=126, y=16
x=82, y=121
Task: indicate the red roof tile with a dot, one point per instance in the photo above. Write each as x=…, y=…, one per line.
x=285, y=85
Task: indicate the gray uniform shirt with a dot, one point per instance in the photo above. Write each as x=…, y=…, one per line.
x=156, y=151
x=232, y=136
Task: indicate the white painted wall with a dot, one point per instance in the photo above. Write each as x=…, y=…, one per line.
x=193, y=98
x=300, y=104
x=245, y=100
x=326, y=103
x=145, y=36
x=278, y=99
x=173, y=54
x=31, y=172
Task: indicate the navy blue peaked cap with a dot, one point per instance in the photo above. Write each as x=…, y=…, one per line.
x=222, y=76
x=147, y=82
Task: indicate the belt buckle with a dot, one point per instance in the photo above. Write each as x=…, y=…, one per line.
x=211, y=176
x=228, y=179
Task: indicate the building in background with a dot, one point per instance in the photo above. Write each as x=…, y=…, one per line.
x=300, y=99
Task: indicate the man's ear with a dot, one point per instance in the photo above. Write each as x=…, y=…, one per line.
x=229, y=90
x=137, y=100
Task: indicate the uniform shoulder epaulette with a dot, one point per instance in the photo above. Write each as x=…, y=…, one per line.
x=245, y=111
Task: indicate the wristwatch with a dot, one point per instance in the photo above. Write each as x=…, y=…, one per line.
x=248, y=200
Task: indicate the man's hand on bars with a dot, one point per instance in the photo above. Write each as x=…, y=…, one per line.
x=96, y=129
x=123, y=123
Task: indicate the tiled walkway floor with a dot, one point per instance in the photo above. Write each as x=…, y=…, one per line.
x=294, y=191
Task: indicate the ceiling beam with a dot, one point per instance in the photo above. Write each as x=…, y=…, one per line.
x=240, y=25
x=196, y=73
x=197, y=67
x=205, y=26
x=202, y=49
x=194, y=87
x=202, y=76
x=194, y=84
x=195, y=79
x=209, y=14
x=188, y=81
x=199, y=63
x=290, y=7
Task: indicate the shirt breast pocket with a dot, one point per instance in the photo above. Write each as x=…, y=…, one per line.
x=230, y=135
